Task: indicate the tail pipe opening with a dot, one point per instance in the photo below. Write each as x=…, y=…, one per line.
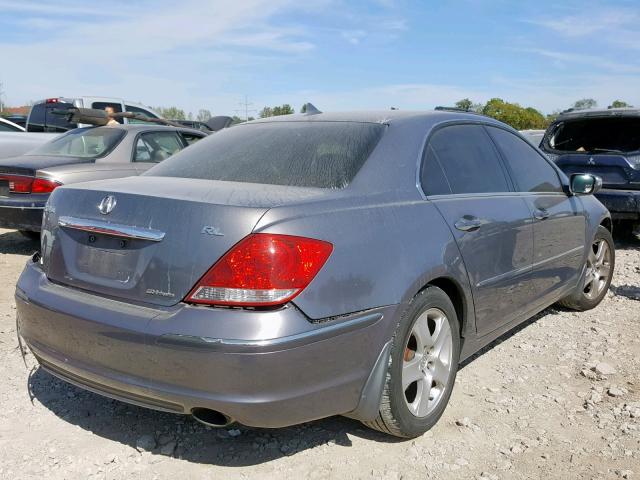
x=211, y=418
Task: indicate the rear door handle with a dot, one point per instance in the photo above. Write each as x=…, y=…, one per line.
x=468, y=224
x=541, y=214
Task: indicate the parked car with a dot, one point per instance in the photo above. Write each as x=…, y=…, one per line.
x=81, y=155
x=534, y=136
x=7, y=125
x=15, y=141
x=299, y=267
x=42, y=117
x=20, y=120
x=212, y=125
x=606, y=143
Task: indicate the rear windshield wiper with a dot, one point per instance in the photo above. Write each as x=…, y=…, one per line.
x=605, y=150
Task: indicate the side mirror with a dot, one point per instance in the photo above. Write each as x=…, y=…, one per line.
x=584, y=184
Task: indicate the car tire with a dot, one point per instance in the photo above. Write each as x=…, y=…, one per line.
x=596, y=279
x=421, y=349
x=30, y=235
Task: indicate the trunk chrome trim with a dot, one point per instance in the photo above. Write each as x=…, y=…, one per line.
x=113, y=229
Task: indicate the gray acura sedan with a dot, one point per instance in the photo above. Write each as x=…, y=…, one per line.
x=299, y=267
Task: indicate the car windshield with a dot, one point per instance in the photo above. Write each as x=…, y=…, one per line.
x=92, y=142
x=302, y=154
x=596, y=134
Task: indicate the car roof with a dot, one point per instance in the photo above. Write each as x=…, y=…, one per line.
x=599, y=112
x=379, y=116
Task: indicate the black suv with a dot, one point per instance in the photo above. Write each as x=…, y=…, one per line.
x=605, y=143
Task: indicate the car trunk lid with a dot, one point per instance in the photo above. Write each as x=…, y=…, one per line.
x=161, y=235
x=614, y=169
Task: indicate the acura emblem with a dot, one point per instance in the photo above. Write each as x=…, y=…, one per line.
x=107, y=204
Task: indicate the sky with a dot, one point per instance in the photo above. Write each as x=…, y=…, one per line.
x=337, y=54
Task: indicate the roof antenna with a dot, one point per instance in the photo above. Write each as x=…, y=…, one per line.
x=310, y=109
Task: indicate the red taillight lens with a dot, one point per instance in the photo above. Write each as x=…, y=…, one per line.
x=42, y=185
x=262, y=270
x=18, y=183
x=25, y=184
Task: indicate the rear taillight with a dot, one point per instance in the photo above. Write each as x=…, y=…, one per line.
x=262, y=270
x=43, y=185
x=18, y=183
x=25, y=184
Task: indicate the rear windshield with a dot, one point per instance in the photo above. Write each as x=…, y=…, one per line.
x=599, y=134
x=91, y=142
x=302, y=154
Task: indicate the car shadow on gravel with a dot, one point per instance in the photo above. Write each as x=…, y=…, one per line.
x=13, y=242
x=178, y=436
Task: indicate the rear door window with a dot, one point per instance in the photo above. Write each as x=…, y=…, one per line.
x=432, y=177
x=469, y=160
x=190, y=138
x=35, y=122
x=303, y=154
x=156, y=146
x=530, y=171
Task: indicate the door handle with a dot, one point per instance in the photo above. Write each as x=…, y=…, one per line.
x=541, y=214
x=468, y=224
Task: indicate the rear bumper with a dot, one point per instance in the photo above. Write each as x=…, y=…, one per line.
x=264, y=369
x=623, y=204
x=21, y=213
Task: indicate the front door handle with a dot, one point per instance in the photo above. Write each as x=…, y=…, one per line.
x=541, y=214
x=468, y=224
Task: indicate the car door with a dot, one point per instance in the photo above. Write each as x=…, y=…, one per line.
x=153, y=147
x=464, y=177
x=559, y=221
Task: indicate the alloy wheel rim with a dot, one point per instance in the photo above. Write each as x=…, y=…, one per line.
x=598, y=269
x=426, y=364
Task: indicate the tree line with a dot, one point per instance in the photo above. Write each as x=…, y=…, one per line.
x=519, y=117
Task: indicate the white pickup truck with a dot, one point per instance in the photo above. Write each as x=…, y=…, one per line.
x=43, y=124
x=42, y=117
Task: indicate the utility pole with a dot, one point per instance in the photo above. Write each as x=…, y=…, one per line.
x=246, y=104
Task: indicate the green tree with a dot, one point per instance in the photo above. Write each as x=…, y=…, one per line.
x=171, y=113
x=203, y=115
x=585, y=103
x=619, y=104
x=284, y=109
x=513, y=114
x=464, y=104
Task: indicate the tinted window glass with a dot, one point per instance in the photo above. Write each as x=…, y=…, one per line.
x=596, y=134
x=82, y=142
x=530, y=171
x=469, y=159
x=35, y=122
x=156, y=146
x=190, y=138
x=56, y=119
x=303, y=154
x=6, y=127
x=432, y=177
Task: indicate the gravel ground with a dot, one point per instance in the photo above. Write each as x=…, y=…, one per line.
x=557, y=398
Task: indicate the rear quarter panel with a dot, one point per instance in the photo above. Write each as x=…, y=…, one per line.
x=384, y=253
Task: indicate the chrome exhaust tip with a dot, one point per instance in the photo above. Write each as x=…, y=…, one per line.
x=211, y=418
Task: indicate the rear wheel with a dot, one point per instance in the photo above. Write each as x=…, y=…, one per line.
x=424, y=361
x=599, y=268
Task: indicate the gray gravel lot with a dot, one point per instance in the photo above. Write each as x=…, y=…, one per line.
x=557, y=398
